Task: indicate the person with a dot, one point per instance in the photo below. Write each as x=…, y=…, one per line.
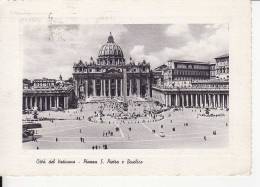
x=37, y=147
x=79, y=130
x=205, y=138
x=173, y=129
x=56, y=139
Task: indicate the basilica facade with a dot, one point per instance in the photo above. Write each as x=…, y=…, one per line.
x=111, y=75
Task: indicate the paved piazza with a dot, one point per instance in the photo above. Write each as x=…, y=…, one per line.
x=99, y=125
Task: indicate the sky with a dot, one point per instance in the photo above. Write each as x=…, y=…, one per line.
x=51, y=50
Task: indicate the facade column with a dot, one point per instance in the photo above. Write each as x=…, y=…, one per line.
x=209, y=100
x=65, y=102
x=116, y=89
x=200, y=102
x=76, y=88
x=40, y=103
x=57, y=101
x=219, y=100
x=138, y=87
x=227, y=101
x=196, y=100
x=101, y=88
x=121, y=87
x=26, y=103
x=35, y=101
x=50, y=102
x=166, y=100
x=170, y=99
x=45, y=103
x=191, y=100
x=94, y=87
x=223, y=101
x=105, y=94
x=214, y=101
x=130, y=87
x=148, y=87
x=176, y=100
x=31, y=105
x=109, y=87
x=204, y=97
x=86, y=89
x=187, y=100
x=182, y=100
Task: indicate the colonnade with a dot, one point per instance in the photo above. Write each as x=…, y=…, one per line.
x=45, y=102
x=202, y=100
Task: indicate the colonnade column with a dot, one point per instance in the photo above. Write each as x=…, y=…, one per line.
x=166, y=100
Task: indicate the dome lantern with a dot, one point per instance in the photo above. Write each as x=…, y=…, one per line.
x=110, y=39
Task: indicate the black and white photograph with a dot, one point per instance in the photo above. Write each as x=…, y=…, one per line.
x=125, y=86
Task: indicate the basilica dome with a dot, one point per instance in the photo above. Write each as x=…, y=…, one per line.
x=110, y=52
